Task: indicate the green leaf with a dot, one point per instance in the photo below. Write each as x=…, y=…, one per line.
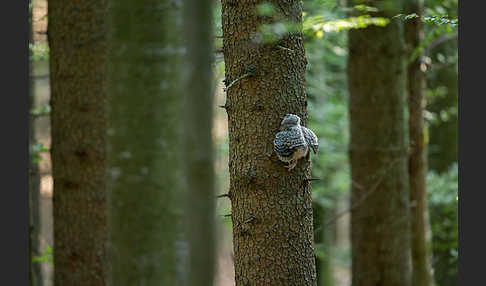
x=46, y=256
x=316, y=25
x=35, y=150
x=40, y=51
x=364, y=8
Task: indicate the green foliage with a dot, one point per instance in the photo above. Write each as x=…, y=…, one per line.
x=327, y=93
x=441, y=7
x=443, y=197
x=431, y=36
x=316, y=25
x=364, y=8
x=441, y=58
x=46, y=256
x=40, y=51
x=320, y=250
x=441, y=20
x=36, y=150
x=443, y=115
x=41, y=110
x=328, y=112
x=217, y=26
x=328, y=118
x=438, y=25
x=434, y=19
x=326, y=51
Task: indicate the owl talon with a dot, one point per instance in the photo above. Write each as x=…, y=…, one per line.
x=292, y=165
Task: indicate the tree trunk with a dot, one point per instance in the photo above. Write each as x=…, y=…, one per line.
x=144, y=181
x=380, y=233
x=422, y=273
x=198, y=155
x=76, y=34
x=271, y=207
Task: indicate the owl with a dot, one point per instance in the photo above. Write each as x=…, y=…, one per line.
x=293, y=141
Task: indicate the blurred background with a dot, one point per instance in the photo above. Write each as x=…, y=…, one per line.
x=327, y=106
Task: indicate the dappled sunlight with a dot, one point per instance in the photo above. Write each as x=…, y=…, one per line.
x=388, y=163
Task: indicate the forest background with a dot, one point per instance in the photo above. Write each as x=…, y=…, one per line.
x=326, y=46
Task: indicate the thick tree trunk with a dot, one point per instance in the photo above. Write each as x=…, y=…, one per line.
x=380, y=230
x=271, y=207
x=422, y=273
x=198, y=152
x=76, y=34
x=144, y=96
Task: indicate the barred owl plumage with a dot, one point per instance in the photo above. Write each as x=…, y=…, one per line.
x=310, y=139
x=293, y=141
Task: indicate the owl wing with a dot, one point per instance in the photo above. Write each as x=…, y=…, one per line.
x=310, y=139
x=286, y=141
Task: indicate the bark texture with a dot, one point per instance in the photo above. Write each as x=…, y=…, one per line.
x=421, y=240
x=378, y=151
x=198, y=146
x=271, y=207
x=76, y=34
x=144, y=174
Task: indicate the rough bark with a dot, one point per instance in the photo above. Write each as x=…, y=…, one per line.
x=378, y=151
x=198, y=155
x=422, y=273
x=34, y=176
x=76, y=34
x=144, y=182
x=271, y=207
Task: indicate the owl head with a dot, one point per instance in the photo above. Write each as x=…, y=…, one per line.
x=289, y=120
